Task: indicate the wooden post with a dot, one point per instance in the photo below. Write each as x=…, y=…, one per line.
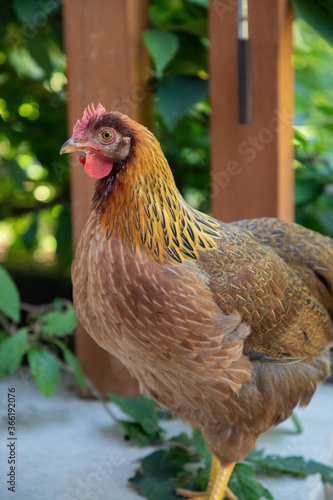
x=251, y=170
x=107, y=63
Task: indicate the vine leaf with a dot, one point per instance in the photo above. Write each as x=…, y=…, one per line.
x=12, y=350
x=45, y=369
x=9, y=296
x=59, y=323
x=162, y=46
x=318, y=14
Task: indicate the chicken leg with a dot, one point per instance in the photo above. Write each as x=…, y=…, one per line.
x=217, y=488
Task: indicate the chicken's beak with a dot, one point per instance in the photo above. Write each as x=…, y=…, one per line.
x=71, y=147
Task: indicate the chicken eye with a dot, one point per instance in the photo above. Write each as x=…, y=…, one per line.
x=107, y=135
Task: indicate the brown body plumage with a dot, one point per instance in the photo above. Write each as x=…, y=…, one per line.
x=228, y=325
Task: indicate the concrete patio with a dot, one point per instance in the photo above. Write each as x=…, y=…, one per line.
x=69, y=449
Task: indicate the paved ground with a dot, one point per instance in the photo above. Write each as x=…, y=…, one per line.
x=69, y=449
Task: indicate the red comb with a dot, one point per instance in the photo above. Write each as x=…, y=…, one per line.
x=89, y=113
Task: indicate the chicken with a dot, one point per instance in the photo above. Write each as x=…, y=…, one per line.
x=227, y=325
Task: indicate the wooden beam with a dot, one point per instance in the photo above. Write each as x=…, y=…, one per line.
x=107, y=63
x=251, y=171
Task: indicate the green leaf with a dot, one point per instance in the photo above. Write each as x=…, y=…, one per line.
x=3, y=335
x=200, y=481
x=182, y=438
x=74, y=365
x=12, y=350
x=318, y=14
x=17, y=174
x=323, y=209
x=177, y=95
x=295, y=466
x=197, y=27
x=38, y=51
x=162, y=46
x=306, y=190
x=325, y=471
x=9, y=296
x=200, y=445
x=192, y=56
x=201, y=3
x=145, y=413
x=133, y=431
x=44, y=368
x=59, y=323
x=64, y=249
x=162, y=472
x=34, y=11
x=29, y=237
x=58, y=304
x=245, y=488
x=142, y=410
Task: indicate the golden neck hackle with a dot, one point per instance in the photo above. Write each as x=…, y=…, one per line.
x=145, y=208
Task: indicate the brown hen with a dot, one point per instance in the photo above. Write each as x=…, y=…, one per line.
x=228, y=325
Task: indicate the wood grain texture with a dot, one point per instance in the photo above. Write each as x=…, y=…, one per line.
x=251, y=168
x=107, y=63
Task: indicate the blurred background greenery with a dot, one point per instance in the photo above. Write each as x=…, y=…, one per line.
x=35, y=221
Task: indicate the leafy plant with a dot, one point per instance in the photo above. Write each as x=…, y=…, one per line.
x=162, y=45
x=142, y=428
x=9, y=296
x=184, y=460
x=35, y=216
x=313, y=131
x=162, y=472
x=182, y=109
x=319, y=15
x=34, y=182
x=42, y=339
x=295, y=466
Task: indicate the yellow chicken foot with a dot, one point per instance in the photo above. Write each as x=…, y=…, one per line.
x=217, y=488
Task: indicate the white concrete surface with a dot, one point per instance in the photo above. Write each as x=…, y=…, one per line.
x=69, y=449
x=315, y=442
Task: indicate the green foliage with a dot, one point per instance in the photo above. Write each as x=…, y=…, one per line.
x=319, y=15
x=74, y=366
x=200, y=444
x=202, y=3
x=162, y=46
x=166, y=469
x=177, y=95
x=141, y=409
x=28, y=10
x=144, y=413
x=139, y=435
x=34, y=182
x=59, y=323
x=46, y=327
x=45, y=369
x=294, y=466
x=181, y=107
x=12, y=350
x=313, y=130
x=162, y=472
x=244, y=486
x=9, y=296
